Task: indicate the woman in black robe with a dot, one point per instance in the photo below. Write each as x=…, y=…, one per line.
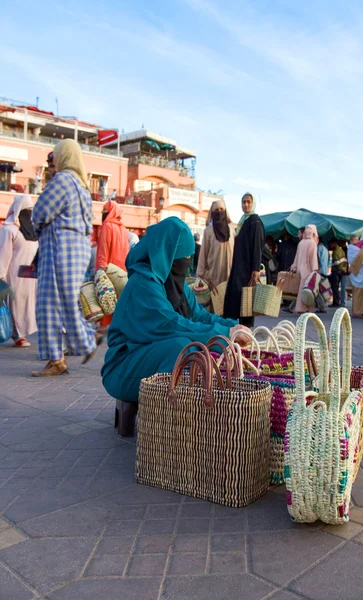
x=246, y=262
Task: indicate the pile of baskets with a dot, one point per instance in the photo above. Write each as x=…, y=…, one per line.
x=98, y=298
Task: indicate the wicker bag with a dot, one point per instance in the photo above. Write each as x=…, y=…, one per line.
x=218, y=298
x=267, y=300
x=356, y=383
x=90, y=307
x=291, y=282
x=205, y=437
x=247, y=297
x=283, y=395
x=105, y=292
x=118, y=278
x=322, y=432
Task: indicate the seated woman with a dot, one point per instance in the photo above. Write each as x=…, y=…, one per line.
x=156, y=316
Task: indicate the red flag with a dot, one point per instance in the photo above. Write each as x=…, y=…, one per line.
x=107, y=135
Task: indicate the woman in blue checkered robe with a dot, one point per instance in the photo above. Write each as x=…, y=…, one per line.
x=62, y=217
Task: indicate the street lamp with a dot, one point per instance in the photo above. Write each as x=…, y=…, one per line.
x=161, y=202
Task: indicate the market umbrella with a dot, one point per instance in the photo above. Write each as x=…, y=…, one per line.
x=328, y=226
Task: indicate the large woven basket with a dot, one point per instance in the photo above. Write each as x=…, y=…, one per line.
x=218, y=298
x=118, y=278
x=90, y=307
x=291, y=282
x=267, y=300
x=247, y=298
x=283, y=396
x=322, y=433
x=201, y=440
x=105, y=292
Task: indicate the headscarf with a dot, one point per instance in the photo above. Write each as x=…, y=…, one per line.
x=220, y=220
x=114, y=212
x=68, y=157
x=311, y=233
x=162, y=248
x=216, y=204
x=245, y=216
x=20, y=202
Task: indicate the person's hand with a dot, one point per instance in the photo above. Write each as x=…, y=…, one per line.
x=212, y=287
x=240, y=339
x=255, y=277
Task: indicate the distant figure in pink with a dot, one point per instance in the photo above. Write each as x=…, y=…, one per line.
x=306, y=261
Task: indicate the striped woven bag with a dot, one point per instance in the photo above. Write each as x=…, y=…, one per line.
x=204, y=435
x=322, y=429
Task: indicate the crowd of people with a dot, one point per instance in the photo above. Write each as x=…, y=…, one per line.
x=157, y=313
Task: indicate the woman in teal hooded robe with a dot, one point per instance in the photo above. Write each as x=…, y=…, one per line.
x=147, y=332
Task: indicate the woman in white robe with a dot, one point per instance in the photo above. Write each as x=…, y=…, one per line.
x=18, y=246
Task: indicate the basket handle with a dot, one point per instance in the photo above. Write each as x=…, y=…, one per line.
x=299, y=352
x=241, y=360
x=270, y=336
x=204, y=361
x=287, y=325
x=341, y=320
x=229, y=352
x=254, y=342
x=283, y=332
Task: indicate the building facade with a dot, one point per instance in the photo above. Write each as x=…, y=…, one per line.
x=150, y=175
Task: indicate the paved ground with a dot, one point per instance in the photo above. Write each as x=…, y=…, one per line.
x=74, y=525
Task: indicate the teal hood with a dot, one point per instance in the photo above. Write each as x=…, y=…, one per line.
x=163, y=243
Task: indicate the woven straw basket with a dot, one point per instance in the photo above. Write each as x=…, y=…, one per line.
x=283, y=396
x=90, y=307
x=247, y=298
x=356, y=383
x=118, y=278
x=105, y=292
x=218, y=298
x=322, y=431
x=205, y=436
x=267, y=300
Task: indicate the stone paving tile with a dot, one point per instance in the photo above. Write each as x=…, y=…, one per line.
x=128, y=589
x=107, y=565
x=226, y=563
x=283, y=555
x=115, y=545
x=73, y=521
x=147, y=565
x=338, y=577
x=191, y=543
x=215, y=587
x=10, y=537
x=187, y=564
x=46, y=563
x=11, y=588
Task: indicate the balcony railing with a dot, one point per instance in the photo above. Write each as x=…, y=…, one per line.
x=163, y=163
x=52, y=141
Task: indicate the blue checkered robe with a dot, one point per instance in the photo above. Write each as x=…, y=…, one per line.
x=62, y=217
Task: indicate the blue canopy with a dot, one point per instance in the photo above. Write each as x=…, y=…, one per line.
x=328, y=226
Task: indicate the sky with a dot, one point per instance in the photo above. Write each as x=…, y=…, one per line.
x=267, y=93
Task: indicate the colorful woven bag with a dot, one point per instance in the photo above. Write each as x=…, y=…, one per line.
x=322, y=430
x=118, y=278
x=283, y=395
x=89, y=304
x=203, y=435
x=105, y=292
x=202, y=293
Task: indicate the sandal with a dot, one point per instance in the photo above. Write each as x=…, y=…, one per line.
x=22, y=343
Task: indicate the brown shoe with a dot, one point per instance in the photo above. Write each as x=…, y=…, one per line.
x=52, y=369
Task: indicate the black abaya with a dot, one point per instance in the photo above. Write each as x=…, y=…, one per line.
x=247, y=257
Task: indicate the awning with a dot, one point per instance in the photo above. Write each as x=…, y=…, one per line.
x=328, y=226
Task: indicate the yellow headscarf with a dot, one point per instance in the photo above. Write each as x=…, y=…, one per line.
x=68, y=157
